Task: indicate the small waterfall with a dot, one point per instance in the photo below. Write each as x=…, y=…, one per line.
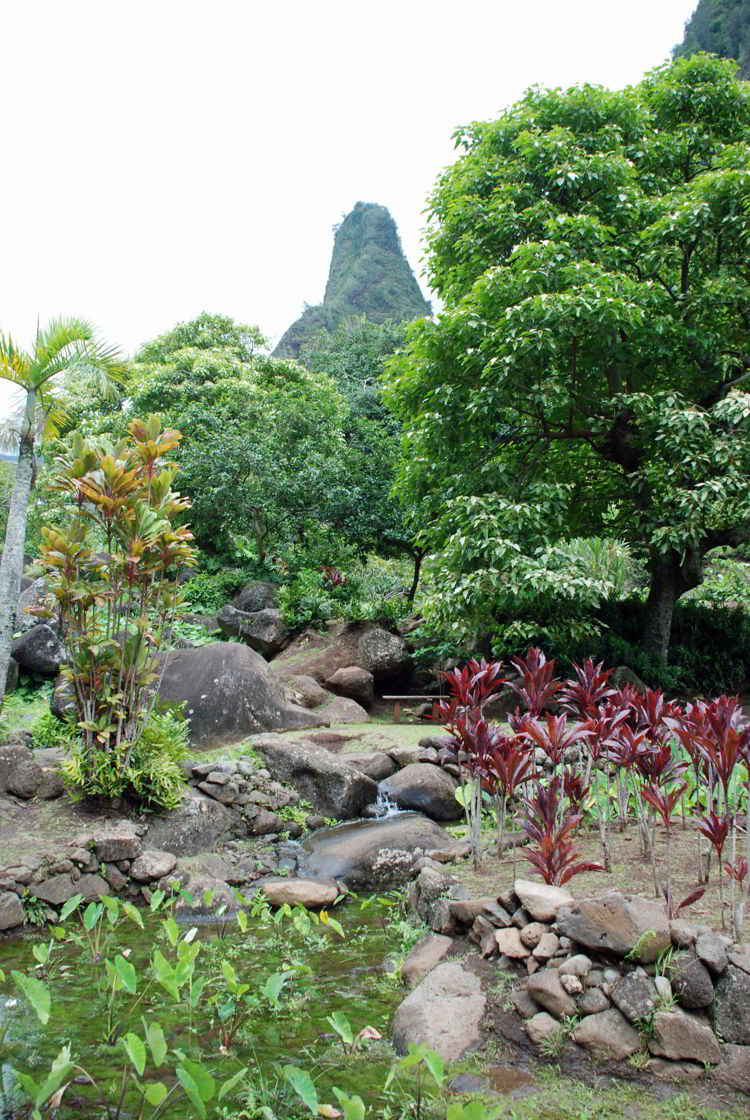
x=383, y=807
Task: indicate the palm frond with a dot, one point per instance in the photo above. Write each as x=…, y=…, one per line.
x=10, y=434
x=14, y=364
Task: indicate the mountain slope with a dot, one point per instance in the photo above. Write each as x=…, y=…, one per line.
x=369, y=275
x=722, y=27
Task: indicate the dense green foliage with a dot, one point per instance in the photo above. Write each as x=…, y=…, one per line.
x=369, y=275
x=587, y=374
x=721, y=27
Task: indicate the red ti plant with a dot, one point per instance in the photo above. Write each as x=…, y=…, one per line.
x=509, y=764
x=583, y=697
x=554, y=857
x=716, y=830
x=554, y=736
x=474, y=741
x=603, y=741
x=664, y=801
x=471, y=688
x=537, y=685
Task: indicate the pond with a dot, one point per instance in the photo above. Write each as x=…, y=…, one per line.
x=110, y=984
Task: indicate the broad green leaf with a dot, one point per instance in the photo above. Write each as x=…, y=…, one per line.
x=202, y=1078
x=71, y=905
x=126, y=972
x=59, y=1070
x=353, y=1107
x=242, y=921
x=303, y=1086
x=91, y=915
x=156, y=900
x=136, y=1051
x=36, y=993
x=155, y=1092
x=172, y=931
x=191, y=1090
x=342, y=1027
x=133, y=913
x=156, y=1041
x=435, y=1065
x=165, y=974
x=230, y=1083
x=41, y=953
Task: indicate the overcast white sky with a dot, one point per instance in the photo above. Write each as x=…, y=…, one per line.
x=164, y=157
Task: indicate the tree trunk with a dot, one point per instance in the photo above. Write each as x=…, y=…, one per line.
x=671, y=577
x=11, y=566
x=418, y=557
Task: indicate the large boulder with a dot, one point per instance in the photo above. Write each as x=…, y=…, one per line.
x=306, y=691
x=39, y=650
x=342, y=644
x=426, y=789
x=12, y=757
x=229, y=694
x=444, y=1012
x=354, y=683
x=333, y=787
x=198, y=825
x=679, y=1036
x=373, y=855
x=11, y=910
x=540, y=900
x=385, y=655
x=617, y=923
x=343, y=710
x=264, y=631
x=256, y=596
x=311, y=893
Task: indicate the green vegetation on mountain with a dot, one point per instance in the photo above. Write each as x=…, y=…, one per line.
x=722, y=27
x=369, y=275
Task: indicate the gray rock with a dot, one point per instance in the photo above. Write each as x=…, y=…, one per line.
x=444, y=1012
x=734, y=1069
x=342, y=710
x=39, y=650
x=540, y=1027
x=355, y=683
x=24, y=779
x=311, y=893
x=116, y=842
x=740, y=958
x=58, y=889
x=372, y=854
x=264, y=822
x=11, y=756
x=607, y=1035
x=617, y=923
x=523, y=1003
x=663, y=988
x=578, y=965
x=682, y=1072
x=11, y=677
x=683, y=933
x=264, y=631
x=333, y=787
x=229, y=694
x=385, y=655
x=732, y=999
x=152, y=864
x=426, y=954
x=198, y=825
x=711, y=948
x=11, y=910
x=546, y=989
x=531, y=934
x=375, y=764
x=426, y=789
x=307, y=690
x=634, y=995
x=592, y=1001
x=62, y=701
x=34, y=596
x=541, y=901
x=207, y=895
x=51, y=785
x=547, y=947
x=509, y=942
x=678, y=1036
x=691, y=982
x=256, y=596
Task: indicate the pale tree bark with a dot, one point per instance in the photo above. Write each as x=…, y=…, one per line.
x=11, y=566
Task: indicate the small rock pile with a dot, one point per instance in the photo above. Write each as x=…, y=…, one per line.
x=611, y=973
x=246, y=786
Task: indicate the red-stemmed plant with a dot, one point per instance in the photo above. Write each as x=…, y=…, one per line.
x=551, y=827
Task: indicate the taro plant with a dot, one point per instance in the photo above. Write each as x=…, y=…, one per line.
x=113, y=592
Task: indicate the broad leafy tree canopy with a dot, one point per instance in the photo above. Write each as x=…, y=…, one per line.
x=591, y=250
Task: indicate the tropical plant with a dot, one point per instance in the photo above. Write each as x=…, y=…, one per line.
x=550, y=825
x=64, y=345
x=114, y=605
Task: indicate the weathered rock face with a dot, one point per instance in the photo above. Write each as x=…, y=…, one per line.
x=540, y=900
x=333, y=787
x=376, y=764
x=635, y=996
x=256, y=596
x=385, y=655
x=735, y=1068
x=731, y=1019
x=198, y=825
x=152, y=864
x=11, y=677
x=33, y=596
x=229, y=694
x=310, y=693
x=343, y=710
x=426, y=789
x=312, y=893
x=426, y=954
x=678, y=1036
x=691, y=982
x=25, y=779
x=373, y=854
x=12, y=757
x=11, y=910
x=444, y=1012
x=264, y=631
x=617, y=923
x=355, y=683
x=39, y=650
x=607, y=1034
x=545, y=987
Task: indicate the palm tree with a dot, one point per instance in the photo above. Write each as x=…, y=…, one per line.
x=64, y=345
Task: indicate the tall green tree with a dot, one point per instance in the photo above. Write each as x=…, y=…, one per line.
x=63, y=345
x=590, y=248
x=721, y=27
